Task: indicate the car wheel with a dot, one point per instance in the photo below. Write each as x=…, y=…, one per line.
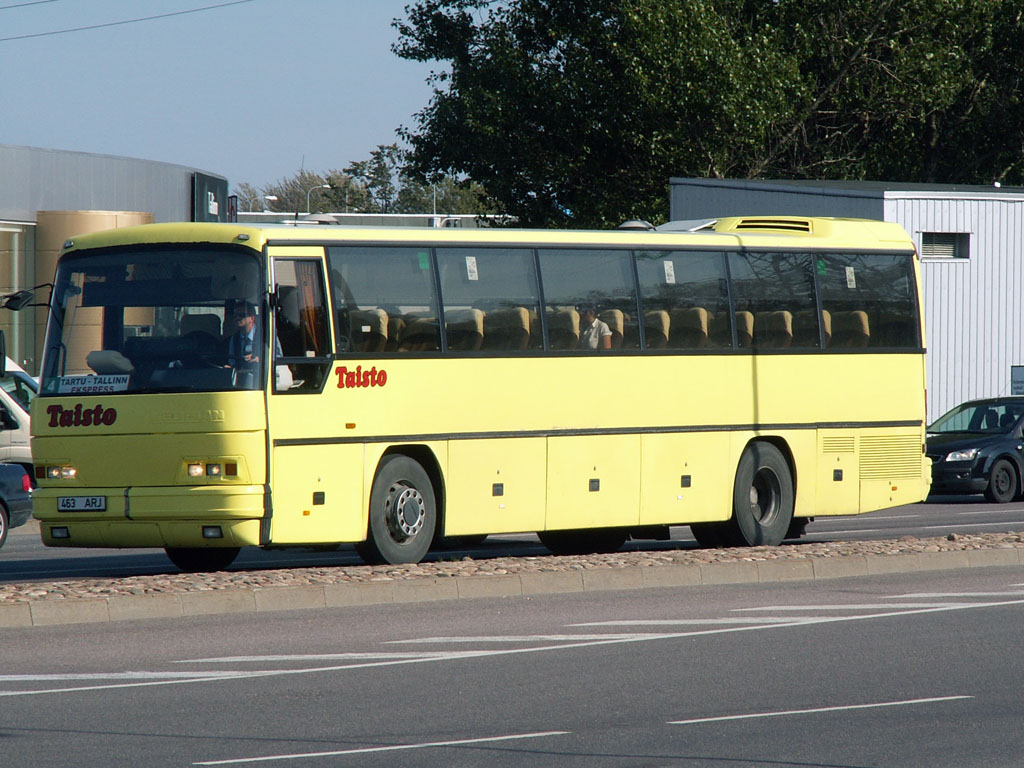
x=1002, y=482
x=5, y=523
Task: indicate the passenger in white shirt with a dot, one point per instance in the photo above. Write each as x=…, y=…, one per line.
x=594, y=333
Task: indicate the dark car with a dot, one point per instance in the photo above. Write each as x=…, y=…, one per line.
x=15, y=498
x=977, y=448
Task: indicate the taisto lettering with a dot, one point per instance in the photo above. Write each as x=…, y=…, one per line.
x=372, y=377
x=81, y=417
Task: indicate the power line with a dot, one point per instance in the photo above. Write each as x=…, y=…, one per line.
x=23, y=5
x=119, y=23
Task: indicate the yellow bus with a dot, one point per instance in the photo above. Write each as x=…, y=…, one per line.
x=206, y=387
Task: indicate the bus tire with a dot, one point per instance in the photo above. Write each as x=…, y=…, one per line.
x=763, y=497
x=403, y=513
x=202, y=559
x=584, y=542
x=1002, y=482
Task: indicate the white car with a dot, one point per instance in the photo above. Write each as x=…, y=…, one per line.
x=17, y=389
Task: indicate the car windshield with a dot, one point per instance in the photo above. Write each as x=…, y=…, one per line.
x=982, y=418
x=158, y=319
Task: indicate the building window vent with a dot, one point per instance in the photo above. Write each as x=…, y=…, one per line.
x=945, y=245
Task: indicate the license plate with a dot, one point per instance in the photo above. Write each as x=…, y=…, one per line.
x=81, y=503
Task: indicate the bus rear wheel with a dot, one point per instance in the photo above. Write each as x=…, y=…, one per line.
x=762, y=499
x=585, y=542
x=202, y=559
x=403, y=513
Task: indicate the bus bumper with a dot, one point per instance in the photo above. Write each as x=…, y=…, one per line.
x=153, y=517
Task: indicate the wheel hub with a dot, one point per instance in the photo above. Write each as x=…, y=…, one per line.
x=404, y=512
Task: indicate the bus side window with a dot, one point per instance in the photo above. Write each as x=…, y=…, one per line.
x=685, y=297
x=302, y=357
x=590, y=299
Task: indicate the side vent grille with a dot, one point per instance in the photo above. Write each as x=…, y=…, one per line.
x=884, y=457
x=837, y=444
x=776, y=225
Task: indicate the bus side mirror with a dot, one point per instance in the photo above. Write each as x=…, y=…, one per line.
x=19, y=300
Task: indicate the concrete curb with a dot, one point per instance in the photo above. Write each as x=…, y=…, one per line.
x=52, y=612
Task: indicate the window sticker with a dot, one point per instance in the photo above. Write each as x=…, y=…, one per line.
x=92, y=385
x=424, y=259
x=851, y=278
x=670, y=272
x=471, y=271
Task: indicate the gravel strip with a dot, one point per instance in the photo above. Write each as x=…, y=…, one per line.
x=497, y=566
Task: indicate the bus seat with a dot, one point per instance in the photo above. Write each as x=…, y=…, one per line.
x=615, y=321
x=805, y=329
x=421, y=334
x=773, y=330
x=465, y=329
x=744, y=328
x=826, y=326
x=689, y=328
x=369, y=329
x=507, y=329
x=656, y=325
x=563, y=327
x=721, y=330
x=205, y=323
x=850, y=329
x=395, y=332
x=289, y=325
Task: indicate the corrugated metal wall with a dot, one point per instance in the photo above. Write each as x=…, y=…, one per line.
x=973, y=305
x=33, y=179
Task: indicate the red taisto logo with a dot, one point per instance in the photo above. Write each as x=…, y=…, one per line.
x=372, y=377
x=81, y=417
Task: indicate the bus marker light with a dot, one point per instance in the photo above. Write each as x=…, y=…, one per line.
x=212, y=532
x=195, y=470
x=60, y=533
x=213, y=470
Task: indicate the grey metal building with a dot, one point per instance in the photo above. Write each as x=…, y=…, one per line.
x=48, y=195
x=971, y=241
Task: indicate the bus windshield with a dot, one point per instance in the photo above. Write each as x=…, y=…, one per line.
x=181, y=319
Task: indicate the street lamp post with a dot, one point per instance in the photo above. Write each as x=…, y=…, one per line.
x=268, y=199
x=311, y=190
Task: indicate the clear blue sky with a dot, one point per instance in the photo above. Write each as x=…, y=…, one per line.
x=246, y=91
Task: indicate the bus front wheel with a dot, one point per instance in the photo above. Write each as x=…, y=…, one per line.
x=202, y=559
x=403, y=513
x=763, y=497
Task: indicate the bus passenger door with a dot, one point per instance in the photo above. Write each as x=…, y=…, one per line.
x=315, y=477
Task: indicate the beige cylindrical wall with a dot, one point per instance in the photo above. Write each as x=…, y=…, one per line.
x=53, y=229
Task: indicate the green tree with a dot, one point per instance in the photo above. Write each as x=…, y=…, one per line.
x=577, y=112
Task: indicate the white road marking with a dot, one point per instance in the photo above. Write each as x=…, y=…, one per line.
x=849, y=607
x=312, y=657
x=597, y=641
x=959, y=594
x=847, y=707
x=523, y=638
x=393, y=748
x=685, y=622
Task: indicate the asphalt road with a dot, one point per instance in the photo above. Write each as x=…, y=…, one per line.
x=918, y=670
x=25, y=559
